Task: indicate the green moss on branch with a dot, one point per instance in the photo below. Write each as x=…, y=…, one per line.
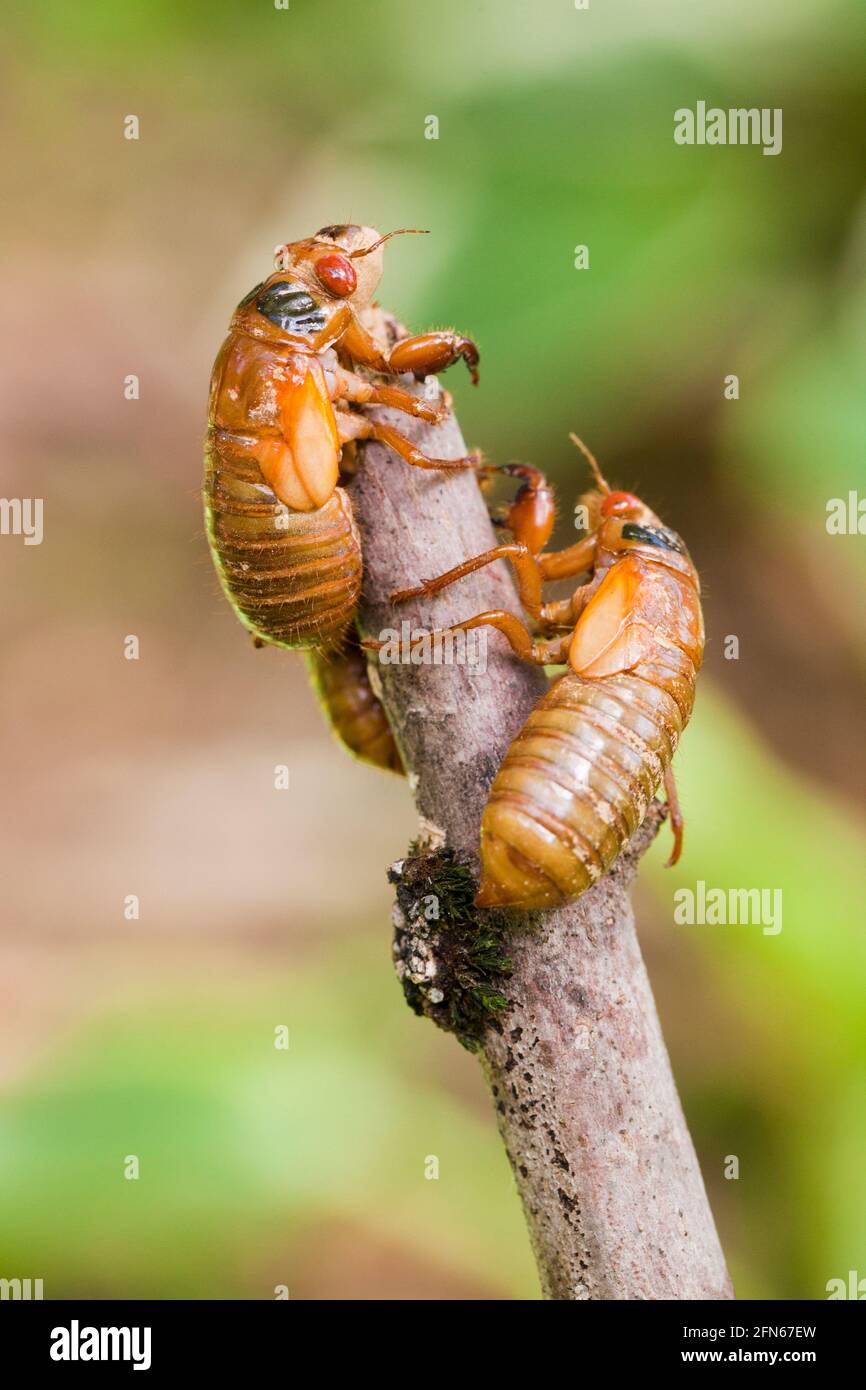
x=449, y=958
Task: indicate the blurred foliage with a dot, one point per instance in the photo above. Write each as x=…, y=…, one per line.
x=785, y=1074
x=555, y=130
x=247, y=1147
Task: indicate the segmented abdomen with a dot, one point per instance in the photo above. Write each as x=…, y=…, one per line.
x=293, y=578
x=576, y=783
x=342, y=683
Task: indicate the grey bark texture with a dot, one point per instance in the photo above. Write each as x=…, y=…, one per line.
x=577, y=1065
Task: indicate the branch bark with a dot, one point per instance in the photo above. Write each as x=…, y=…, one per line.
x=577, y=1065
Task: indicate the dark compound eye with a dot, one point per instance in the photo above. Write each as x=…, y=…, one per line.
x=290, y=308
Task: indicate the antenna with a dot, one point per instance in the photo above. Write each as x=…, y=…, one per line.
x=603, y=484
x=401, y=231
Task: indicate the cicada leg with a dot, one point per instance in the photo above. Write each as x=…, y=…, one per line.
x=676, y=815
x=423, y=353
x=530, y=572
x=525, y=569
x=359, y=427
x=349, y=387
x=520, y=639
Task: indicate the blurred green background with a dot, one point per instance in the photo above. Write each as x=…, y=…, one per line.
x=155, y=1037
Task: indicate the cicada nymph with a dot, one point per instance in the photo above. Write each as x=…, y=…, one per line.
x=280, y=526
x=356, y=714
x=579, y=777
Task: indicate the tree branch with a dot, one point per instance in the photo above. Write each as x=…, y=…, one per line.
x=576, y=1062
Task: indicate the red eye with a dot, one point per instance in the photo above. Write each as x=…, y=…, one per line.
x=616, y=503
x=337, y=274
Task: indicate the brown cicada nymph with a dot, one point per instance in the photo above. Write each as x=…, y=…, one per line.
x=579, y=777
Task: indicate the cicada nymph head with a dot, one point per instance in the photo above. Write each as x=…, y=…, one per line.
x=624, y=523
x=344, y=261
